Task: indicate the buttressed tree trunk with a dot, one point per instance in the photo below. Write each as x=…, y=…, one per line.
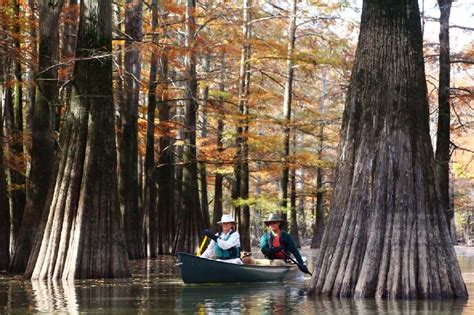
x=387, y=235
x=83, y=237
x=42, y=137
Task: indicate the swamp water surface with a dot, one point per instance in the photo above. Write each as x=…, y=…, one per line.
x=157, y=288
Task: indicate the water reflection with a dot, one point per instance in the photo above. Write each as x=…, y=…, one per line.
x=380, y=306
x=157, y=288
x=54, y=296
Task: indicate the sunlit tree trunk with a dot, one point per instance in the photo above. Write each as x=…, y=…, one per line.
x=387, y=234
x=128, y=180
x=294, y=231
x=190, y=220
x=42, y=136
x=287, y=99
x=218, y=191
x=203, y=134
x=150, y=174
x=240, y=186
x=442, y=155
x=83, y=237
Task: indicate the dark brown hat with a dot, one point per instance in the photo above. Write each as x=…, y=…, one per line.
x=274, y=217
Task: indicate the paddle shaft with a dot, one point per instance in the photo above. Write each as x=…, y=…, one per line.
x=297, y=263
x=202, y=246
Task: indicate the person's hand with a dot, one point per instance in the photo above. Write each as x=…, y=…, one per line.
x=211, y=235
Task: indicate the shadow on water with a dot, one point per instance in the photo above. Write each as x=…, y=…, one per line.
x=156, y=287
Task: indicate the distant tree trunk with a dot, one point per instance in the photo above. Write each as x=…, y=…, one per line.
x=288, y=96
x=150, y=174
x=83, y=237
x=128, y=181
x=442, y=155
x=31, y=90
x=218, y=191
x=293, y=219
x=42, y=136
x=14, y=122
x=318, y=227
x=4, y=202
x=190, y=221
x=301, y=204
x=165, y=170
x=387, y=234
x=202, y=165
x=240, y=187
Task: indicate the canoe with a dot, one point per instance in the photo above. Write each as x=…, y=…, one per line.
x=195, y=269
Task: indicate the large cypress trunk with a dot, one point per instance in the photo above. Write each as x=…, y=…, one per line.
x=129, y=189
x=83, y=237
x=42, y=139
x=387, y=235
x=444, y=115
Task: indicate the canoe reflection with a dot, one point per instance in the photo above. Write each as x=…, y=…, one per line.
x=269, y=298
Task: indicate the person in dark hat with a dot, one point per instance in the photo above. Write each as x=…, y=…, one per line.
x=277, y=244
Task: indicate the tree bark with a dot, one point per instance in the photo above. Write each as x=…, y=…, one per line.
x=42, y=140
x=202, y=164
x=31, y=74
x=387, y=234
x=218, y=191
x=150, y=174
x=318, y=227
x=165, y=169
x=128, y=180
x=191, y=221
x=293, y=219
x=442, y=155
x=287, y=99
x=83, y=237
x=4, y=202
x=240, y=187
x=17, y=174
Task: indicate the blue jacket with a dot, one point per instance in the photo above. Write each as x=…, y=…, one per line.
x=286, y=241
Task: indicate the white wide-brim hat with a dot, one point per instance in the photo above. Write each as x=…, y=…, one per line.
x=226, y=218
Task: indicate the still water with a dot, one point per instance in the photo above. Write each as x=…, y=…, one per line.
x=157, y=288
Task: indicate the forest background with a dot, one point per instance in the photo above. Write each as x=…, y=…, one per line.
x=220, y=106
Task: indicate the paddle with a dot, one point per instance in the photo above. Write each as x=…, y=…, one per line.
x=202, y=246
x=300, y=267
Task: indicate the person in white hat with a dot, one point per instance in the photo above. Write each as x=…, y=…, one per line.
x=225, y=245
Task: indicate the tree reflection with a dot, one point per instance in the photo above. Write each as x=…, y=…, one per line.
x=55, y=295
